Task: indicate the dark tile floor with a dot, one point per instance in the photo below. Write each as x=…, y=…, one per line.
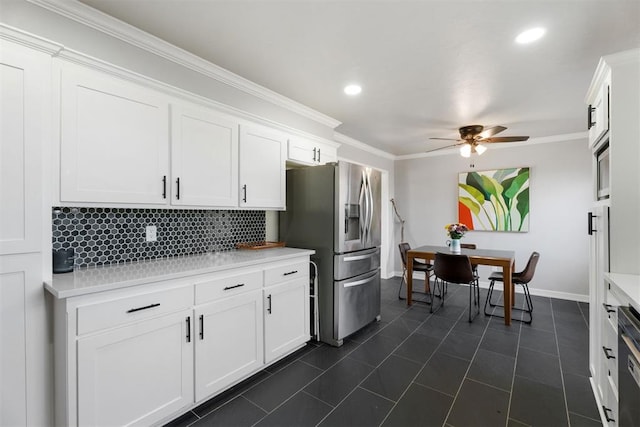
x=414, y=368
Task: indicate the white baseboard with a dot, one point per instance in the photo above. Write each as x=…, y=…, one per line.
x=534, y=291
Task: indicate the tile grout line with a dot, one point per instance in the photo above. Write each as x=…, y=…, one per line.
x=513, y=377
x=425, y=363
x=389, y=355
x=564, y=390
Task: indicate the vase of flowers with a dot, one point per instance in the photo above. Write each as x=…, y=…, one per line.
x=455, y=231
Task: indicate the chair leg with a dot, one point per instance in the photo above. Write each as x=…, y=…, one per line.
x=474, y=290
x=489, y=293
x=527, y=298
x=404, y=273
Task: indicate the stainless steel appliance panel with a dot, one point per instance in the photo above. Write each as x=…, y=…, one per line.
x=357, y=303
x=354, y=263
x=628, y=367
x=358, y=208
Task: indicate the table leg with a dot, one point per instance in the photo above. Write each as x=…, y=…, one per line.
x=509, y=299
x=409, y=278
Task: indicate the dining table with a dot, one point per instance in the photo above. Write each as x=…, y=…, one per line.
x=491, y=257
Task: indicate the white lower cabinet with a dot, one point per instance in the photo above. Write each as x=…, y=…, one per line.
x=142, y=355
x=228, y=343
x=286, y=321
x=137, y=374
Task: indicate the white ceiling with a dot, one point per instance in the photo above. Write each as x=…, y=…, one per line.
x=426, y=67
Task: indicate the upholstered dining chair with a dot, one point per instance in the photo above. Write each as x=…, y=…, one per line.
x=521, y=278
x=426, y=268
x=452, y=268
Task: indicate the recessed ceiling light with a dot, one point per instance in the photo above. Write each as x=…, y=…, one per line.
x=352, y=89
x=530, y=35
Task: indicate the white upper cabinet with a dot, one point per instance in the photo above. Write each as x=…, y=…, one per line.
x=114, y=139
x=305, y=151
x=23, y=82
x=204, y=158
x=598, y=111
x=263, y=155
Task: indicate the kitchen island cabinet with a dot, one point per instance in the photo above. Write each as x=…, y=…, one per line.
x=175, y=331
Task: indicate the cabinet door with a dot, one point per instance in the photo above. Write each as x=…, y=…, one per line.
x=204, y=158
x=136, y=374
x=598, y=265
x=23, y=342
x=229, y=342
x=599, y=115
x=262, y=168
x=310, y=152
x=23, y=88
x=286, y=323
x=114, y=140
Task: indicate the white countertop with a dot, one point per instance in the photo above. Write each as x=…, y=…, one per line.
x=98, y=279
x=627, y=284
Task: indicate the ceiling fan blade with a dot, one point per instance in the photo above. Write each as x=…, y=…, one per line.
x=505, y=139
x=448, y=146
x=446, y=139
x=490, y=132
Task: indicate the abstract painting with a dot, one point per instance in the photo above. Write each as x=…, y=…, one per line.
x=494, y=200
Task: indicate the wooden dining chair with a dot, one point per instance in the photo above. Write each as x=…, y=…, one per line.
x=426, y=268
x=452, y=268
x=521, y=278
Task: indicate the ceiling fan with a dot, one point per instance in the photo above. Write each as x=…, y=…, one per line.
x=473, y=137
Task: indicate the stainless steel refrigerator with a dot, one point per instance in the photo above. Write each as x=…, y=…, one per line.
x=335, y=209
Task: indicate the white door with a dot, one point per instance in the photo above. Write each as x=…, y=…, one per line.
x=24, y=78
x=23, y=342
x=598, y=265
x=114, y=140
x=137, y=374
x=286, y=318
x=229, y=342
x=204, y=158
x=262, y=168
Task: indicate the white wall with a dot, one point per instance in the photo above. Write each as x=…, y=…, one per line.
x=426, y=193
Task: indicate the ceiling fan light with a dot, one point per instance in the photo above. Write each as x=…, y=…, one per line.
x=465, y=150
x=480, y=149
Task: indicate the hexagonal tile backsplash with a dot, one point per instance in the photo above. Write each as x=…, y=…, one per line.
x=108, y=235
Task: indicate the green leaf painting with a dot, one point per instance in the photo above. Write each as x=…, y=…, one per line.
x=496, y=200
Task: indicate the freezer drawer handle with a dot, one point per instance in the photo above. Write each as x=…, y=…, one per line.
x=359, y=282
x=606, y=352
x=606, y=413
x=288, y=273
x=146, y=307
x=226, y=288
x=358, y=257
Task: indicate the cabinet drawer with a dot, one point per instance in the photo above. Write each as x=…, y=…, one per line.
x=286, y=272
x=103, y=315
x=224, y=285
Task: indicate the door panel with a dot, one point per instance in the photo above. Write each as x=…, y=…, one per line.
x=118, y=381
x=229, y=342
x=358, y=303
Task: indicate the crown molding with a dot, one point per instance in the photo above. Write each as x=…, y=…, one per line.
x=113, y=27
x=362, y=146
x=32, y=41
x=568, y=137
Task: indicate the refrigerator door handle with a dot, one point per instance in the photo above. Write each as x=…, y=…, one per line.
x=360, y=282
x=370, y=206
x=363, y=206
